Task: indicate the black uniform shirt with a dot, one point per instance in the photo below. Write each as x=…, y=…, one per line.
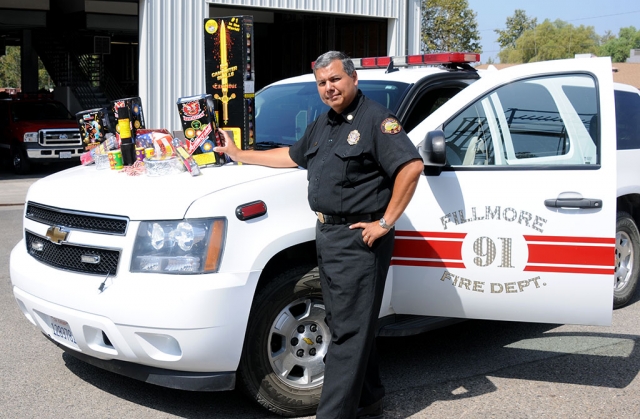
x=352, y=158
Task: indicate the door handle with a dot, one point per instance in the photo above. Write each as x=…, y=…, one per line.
x=573, y=203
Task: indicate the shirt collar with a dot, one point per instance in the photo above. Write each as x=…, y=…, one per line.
x=350, y=113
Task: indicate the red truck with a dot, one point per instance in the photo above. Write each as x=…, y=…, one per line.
x=34, y=129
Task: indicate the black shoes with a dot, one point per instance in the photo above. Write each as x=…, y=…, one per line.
x=373, y=411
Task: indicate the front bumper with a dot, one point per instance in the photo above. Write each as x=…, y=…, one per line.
x=41, y=154
x=181, y=380
x=180, y=331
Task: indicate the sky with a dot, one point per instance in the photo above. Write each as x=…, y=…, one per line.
x=601, y=14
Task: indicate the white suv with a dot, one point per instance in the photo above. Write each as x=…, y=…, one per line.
x=189, y=282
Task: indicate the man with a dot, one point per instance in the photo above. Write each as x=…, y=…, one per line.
x=362, y=172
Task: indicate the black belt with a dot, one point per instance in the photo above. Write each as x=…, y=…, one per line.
x=348, y=219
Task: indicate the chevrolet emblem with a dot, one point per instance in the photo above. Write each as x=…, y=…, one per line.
x=308, y=341
x=56, y=234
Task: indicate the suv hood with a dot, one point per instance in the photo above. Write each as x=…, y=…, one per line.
x=84, y=188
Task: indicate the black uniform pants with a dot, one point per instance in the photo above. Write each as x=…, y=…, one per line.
x=352, y=276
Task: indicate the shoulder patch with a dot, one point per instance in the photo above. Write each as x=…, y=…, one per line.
x=390, y=126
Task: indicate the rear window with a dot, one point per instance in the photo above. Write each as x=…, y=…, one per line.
x=627, y=120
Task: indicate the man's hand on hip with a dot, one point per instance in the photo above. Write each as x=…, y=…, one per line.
x=370, y=231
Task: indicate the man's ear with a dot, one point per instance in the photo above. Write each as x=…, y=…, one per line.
x=355, y=77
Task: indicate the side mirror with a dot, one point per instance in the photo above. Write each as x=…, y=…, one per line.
x=433, y=152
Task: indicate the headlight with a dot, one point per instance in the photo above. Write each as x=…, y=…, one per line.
x=30, y=137
x=179, y=247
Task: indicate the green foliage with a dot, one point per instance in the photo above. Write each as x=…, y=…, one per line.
x=619, y=48
x=551, y=41
x=10, y=68
x=449, y=25
x=516, y=26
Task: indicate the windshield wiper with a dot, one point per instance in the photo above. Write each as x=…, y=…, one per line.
x=266, y=145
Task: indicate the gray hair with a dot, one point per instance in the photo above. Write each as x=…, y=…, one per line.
x=328, y=57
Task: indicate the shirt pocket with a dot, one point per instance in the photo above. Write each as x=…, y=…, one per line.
x=309, y=157
x=353, y=163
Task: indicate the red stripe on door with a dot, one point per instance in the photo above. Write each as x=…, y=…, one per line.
x=428, y=249
x=428, y=263
x=426, y=234
x=566, y=239
x=573, y=270
x=571, y=255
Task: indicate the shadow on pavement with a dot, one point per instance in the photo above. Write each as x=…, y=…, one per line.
x=447, y=364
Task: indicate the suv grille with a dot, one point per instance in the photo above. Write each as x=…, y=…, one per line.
x=69, y=257
x=98, y=223
x=60, y=137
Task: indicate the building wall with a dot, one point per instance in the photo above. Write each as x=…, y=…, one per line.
x=171, y=42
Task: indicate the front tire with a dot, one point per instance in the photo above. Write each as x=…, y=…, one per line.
x=19, y=161
x=282, y=364
x=627, y=260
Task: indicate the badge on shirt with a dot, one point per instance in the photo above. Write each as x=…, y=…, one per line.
x=390, y=126
x=354, y=137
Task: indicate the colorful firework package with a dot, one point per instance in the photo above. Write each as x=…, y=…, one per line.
x=94, y=126
x=135, y=112
x=200, y=129
x=230, y=75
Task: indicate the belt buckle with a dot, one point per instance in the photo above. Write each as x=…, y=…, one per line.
x=320, y=217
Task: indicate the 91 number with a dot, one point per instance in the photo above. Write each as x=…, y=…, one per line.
x=485, y=250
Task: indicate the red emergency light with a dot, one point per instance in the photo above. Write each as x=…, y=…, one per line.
x=32, y=96
x=375, y=62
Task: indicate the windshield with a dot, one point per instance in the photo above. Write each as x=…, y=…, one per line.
x=39, y=111
x=284, y=111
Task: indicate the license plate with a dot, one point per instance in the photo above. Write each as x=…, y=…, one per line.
x=65, y=154
x=62, y=331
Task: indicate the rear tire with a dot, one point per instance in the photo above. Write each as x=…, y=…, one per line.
x=282, y=364
x=627, y=260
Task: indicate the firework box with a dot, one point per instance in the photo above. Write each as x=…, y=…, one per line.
x=200, y=129
x=94, y=125
x=135, y=110
x=230, y=75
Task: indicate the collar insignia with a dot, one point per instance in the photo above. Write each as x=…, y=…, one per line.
x=354, y=137
x=349, y=117
x=390, y=126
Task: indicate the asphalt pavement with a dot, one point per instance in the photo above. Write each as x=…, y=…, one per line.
x=13, y=188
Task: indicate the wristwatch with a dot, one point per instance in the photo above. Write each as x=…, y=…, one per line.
x=384, y=224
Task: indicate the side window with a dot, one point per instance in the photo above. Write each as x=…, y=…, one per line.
x=427, y=104
x=539, y=121
x=627, y=119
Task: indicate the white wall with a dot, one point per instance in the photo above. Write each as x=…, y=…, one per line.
x=171, y=43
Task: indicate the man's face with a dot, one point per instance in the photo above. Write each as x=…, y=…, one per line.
x=336, y=88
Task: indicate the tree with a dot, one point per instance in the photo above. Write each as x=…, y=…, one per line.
x=449, y=25
x=10, y=68
x=619, y=48
x=516, y=26
x=551, y=41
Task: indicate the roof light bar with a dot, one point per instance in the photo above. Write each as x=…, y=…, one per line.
x=424, y=59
